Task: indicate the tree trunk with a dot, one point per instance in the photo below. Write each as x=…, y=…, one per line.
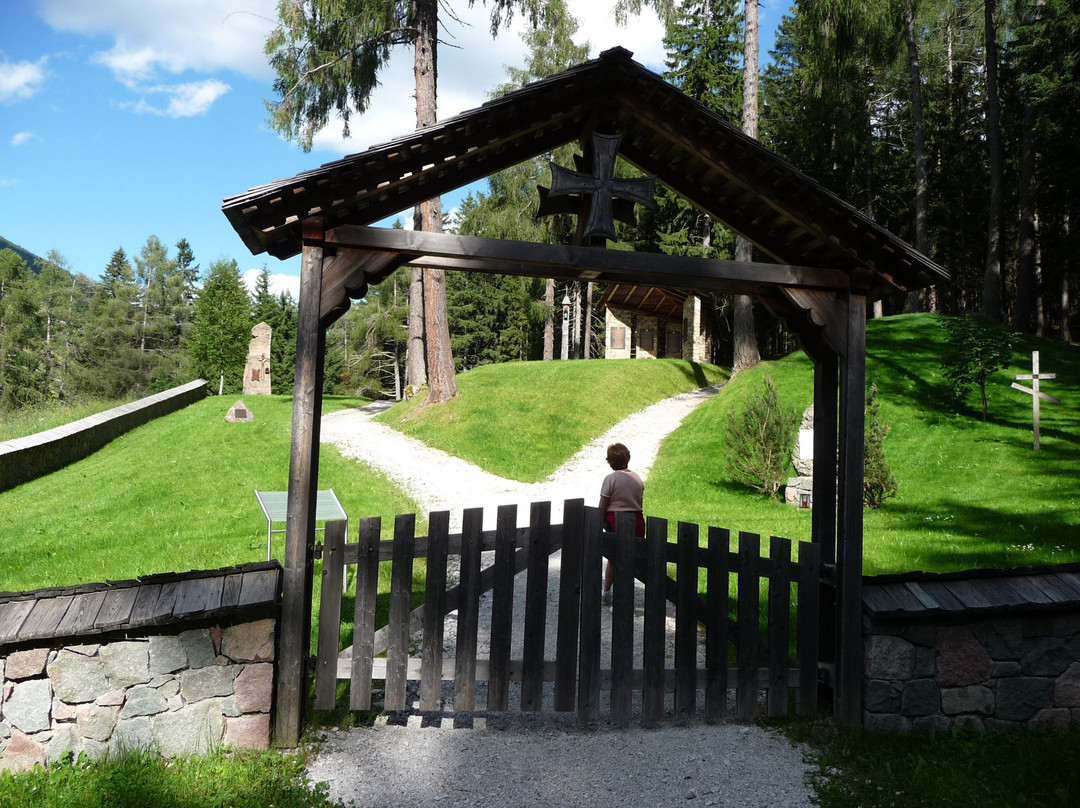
x=415, y=354
x=1066, y=334
x=1025, y=268
x=587, y=344
x=917, y=300
x=992, y=302
x=744, y=334
x=549, y=323
x=441, y=381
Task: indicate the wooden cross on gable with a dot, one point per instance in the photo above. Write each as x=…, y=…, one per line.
x=1035, y=393
x=602, y=187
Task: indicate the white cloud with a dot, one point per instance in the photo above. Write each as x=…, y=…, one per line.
x=185, y=100
x=172, y=35
x=6, y=182
x=279, y=283
x=22, y=138
x=20, y=80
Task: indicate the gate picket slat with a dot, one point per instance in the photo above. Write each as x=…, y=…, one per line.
x=653, y=640
x=431, y=653
x=622, y=618
x=807, y=626
x=566, y=638
x=747, y=655
x=532, y=684
x=329, y=615
x=592, y=561
x=779, y=624
x=502, y=608
x=397, y=652
x=367, y=590
x=472, y=525
x=686, y=577
x=716, y=625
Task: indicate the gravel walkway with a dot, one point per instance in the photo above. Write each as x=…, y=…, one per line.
x=545, y=759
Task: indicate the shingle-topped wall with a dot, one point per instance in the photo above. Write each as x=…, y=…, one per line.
x=25, y=459
x=176, y=664
x=991, y=649
x=153, y=600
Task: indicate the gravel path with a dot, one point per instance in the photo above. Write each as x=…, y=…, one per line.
x=545, y=759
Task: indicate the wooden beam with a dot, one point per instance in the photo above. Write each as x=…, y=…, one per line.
x=586, y=263
x=295, y=627
x=347, y=275
x=824, y=311
x=849, y=535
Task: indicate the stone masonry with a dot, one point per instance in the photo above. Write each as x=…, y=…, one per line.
x=178, y=693
x=999, y=672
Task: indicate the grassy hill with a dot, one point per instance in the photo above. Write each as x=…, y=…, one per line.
x=173, y=495
x=522, y=420
x=971, y=494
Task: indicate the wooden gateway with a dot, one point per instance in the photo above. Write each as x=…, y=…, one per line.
x=828, y=261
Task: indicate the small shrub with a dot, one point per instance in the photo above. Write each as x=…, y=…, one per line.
x=759, y=440
x=977, y=348
x=879, y=483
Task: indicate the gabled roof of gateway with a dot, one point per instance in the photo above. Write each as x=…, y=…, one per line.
x=693, y=151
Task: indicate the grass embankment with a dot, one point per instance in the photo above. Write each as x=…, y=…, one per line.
x=1024, y=769
x=523, y=420
x=140, y=780
x=31, y=420
x=971, y=493
x=173, y=495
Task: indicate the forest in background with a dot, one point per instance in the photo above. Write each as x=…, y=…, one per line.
x=899, y=107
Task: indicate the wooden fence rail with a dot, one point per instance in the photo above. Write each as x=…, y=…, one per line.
x=725, y=622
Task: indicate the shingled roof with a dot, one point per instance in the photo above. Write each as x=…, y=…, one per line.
x=153, y=600
x=692, y=150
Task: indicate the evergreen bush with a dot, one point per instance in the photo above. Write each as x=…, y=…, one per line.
x=759, y=440
x=879, y=483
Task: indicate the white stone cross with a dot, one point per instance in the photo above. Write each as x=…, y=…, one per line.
x=1035, y=393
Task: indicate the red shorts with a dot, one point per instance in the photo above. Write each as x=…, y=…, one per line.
x=639, y=519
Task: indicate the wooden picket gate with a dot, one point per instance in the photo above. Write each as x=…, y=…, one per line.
x=760, y=640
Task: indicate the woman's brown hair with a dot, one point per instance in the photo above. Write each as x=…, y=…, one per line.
x=618, y=456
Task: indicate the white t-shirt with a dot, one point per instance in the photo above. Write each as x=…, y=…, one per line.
x=624, y=490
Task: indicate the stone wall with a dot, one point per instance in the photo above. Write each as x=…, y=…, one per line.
x=181, y=692
x=28, y=458
x=990, y=672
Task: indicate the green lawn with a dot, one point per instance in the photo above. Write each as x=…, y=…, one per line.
x=173, y=495
x=971, y=494
x=522, y=420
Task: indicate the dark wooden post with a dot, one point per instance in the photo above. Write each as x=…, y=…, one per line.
x=849, y=536
x=295, y=628
x=823, y=518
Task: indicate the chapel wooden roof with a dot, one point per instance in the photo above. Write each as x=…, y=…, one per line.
x=101, y=608
x=692, y=150
x=651, y=301
x=979, y=592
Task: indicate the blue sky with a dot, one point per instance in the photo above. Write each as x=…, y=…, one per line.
x=122, y=119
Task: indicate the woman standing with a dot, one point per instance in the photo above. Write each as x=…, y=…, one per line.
x=622, y=491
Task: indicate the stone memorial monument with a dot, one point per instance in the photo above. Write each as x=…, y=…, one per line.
x=800, y=490
x=239, y=413
x=257, y=370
